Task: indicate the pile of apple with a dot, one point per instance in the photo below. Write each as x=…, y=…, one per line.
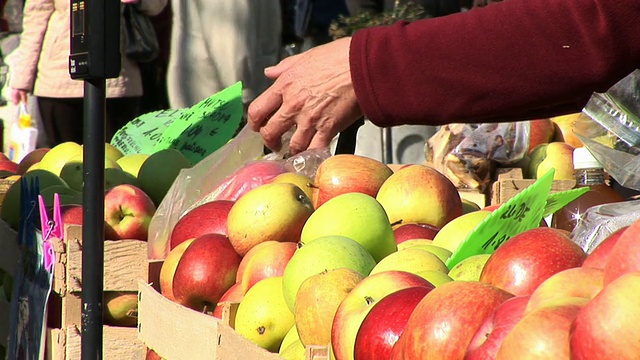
x=355, y=259
x=134, y=186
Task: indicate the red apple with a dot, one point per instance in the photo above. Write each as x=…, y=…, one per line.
x=523, y=262
x=420, y=194
x=490, y=335
x=152, y=355
x=607, y=327
x=209, y=218
x=206, y=270
x=357, y=304
x=264, y=260
x=625, y=255
x=599, y=256
x=250, y=176
x=409, y=231
x=541, y=131
x=8, y=165
x=445, y=321
x=345, y=173
x=127, y=211
x=385, y=322
x=543, y=333
x=3, y=156
x=168, y=269
x=31, y=158
x=233, y=295
x=578, y=282
x=72, y=214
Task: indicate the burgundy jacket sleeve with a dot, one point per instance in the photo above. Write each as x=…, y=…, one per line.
x=513, y=60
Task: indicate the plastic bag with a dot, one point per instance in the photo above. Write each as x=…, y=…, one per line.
x=23, y=136
x=467, y=153
x=225, y=174
x=598, y=222
x=141, y=41
x=613, y=136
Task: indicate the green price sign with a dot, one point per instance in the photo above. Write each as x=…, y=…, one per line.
x=522, y=212
x=206, y=126
x=196, y=131
x=141, y=135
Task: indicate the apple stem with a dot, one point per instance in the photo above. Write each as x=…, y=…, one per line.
x=369, y=300
x=312, y=186
x=396, y=223
x=132, y=313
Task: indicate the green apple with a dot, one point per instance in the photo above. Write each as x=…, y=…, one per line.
x=357, y=216
x=159, y=171
x=116, y=176
x=10, y=210
x=72, y=171
x=274, y=211
x=66, y=195
x=303, y=182
x=58, y=156
x=322, y=254
x=470, y=268
x=262, y=316
x=132, y=163
x=455, y=231
x=442, y=253
x=411, y=260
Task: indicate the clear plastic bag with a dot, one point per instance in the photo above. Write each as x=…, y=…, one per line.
x=614, y=135
x=225, y=174
x=467, y=153
x=598, y=222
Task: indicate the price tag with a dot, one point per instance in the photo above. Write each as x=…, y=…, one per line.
x=557, y=201
x=205, y=127
x=522, y=212
x=141, y=135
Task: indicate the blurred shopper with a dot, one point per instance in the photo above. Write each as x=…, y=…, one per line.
x=216, y=43
x=41, y=67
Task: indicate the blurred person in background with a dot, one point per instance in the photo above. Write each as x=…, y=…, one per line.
x=216, y=43
x=41, y=67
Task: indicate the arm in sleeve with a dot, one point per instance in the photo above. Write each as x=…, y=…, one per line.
x=35, y=22
x=512, y=60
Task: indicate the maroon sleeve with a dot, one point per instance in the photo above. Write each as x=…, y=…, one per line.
x=513, y=60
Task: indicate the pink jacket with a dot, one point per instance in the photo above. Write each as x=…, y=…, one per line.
x=40, y=63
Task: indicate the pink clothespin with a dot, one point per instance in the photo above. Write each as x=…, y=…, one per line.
x=50, y=228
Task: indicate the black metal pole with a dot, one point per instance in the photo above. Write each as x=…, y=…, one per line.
x=93, y=222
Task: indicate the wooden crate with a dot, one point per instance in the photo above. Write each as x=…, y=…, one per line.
x=9, y=254
x=510, y=182
x=176, y=332
x=125, y=263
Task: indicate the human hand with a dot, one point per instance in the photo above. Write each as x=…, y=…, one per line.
x=16, y=96
x=313, y=92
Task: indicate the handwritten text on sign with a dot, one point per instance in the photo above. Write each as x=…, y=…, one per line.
x=522, y=212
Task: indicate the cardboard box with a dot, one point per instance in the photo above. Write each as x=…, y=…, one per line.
x=176, y=332
x=511, y=182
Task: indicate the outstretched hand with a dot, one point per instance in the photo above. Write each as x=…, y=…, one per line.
x=313, y=92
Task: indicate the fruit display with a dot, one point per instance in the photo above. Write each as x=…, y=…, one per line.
x=363, y=270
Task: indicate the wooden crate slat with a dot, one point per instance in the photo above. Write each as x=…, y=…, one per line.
x=125, y=262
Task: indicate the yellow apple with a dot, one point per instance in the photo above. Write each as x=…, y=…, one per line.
x=453, y=233
x=435, y=277
x=274, y=211
x=555, y=155
x=317, y=301
x=303, y=182
x=411, y=260
x=414, y=242
x=565, y=126
x=58, y=156
x=421, y=194
x=169, y=268
x=111, y=152
x=442, y=253
x=263, y=317
x=132, y=163
x=72, y=171
x=290, y=338
x=470, y=268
